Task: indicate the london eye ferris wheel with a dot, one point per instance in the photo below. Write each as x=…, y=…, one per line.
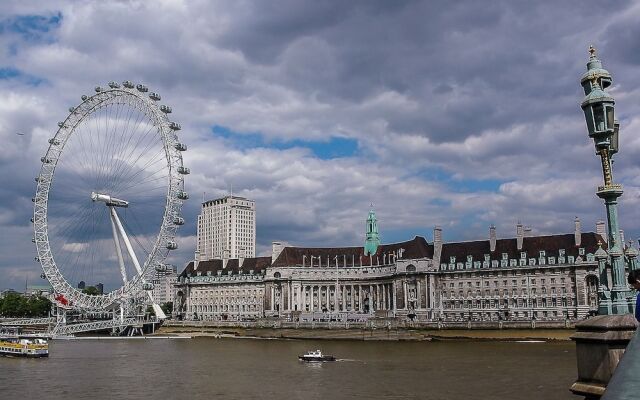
x=109, y=197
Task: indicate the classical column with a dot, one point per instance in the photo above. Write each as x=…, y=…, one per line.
x=418, y=296
x=273, y=297
x=352, y=300
x=406, y=296
x=290, y=289
x=343, y=301
x=393, y=296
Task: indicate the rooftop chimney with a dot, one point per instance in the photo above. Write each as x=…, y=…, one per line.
x=437, y=244
x=492, y=238
x=577, y=232
x=519, y=235
x=600, y=230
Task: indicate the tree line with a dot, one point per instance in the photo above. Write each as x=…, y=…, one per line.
x=15, y=305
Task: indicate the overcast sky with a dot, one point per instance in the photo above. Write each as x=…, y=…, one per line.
x=457, y=113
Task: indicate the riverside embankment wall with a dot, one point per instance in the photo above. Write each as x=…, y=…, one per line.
x=369, y=331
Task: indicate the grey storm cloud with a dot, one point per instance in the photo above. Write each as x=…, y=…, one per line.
x=463, y=113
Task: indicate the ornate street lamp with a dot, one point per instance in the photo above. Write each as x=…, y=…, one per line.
x=599, y=112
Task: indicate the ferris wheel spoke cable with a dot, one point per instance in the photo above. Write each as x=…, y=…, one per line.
x=129, y=154
x=112, y=144
x=65, y=257
x=143, y=167
x=141, y=178
x=150, y=179
x=131, y=128
x=128, y=178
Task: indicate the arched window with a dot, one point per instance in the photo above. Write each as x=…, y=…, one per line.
x=411, y=268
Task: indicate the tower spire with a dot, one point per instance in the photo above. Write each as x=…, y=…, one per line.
x=372, y=236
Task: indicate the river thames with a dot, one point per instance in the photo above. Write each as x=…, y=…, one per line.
x=207, y=368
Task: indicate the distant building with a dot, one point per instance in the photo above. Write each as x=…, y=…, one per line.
x=6, y=292
x=100, y=288
x=226, y=229
x=163, y=282
x=81, y=285
x=526, y=278
x=38, y=290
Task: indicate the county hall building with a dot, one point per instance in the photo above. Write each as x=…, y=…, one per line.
x=523, y=278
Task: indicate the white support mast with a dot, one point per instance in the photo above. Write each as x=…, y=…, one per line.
x=112, y=203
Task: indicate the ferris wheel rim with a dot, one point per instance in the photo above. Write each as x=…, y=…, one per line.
x=146, y=104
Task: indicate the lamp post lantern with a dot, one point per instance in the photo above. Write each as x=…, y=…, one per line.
x=599, y=107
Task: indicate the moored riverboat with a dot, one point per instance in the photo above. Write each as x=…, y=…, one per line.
x=317, y=356
x=20, y=346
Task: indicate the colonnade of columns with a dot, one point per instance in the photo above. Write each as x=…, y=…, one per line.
x=321, y=297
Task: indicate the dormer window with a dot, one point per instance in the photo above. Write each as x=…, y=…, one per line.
x=487, y=257
x=561, y=253
x=581, y=251
x=505, y=256
x=469, y=258
x=452, y=260
x=542, y=254
x=523, y=255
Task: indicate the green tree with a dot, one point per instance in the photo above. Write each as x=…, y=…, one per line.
x=91, y=291
x=38, y=306
x=15, y=305
x=167, y=307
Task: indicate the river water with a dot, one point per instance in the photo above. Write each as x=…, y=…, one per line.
x=208, y=368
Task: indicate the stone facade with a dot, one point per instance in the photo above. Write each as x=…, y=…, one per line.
x=543, y=278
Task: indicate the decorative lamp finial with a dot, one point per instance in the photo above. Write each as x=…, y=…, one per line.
x=592, y=52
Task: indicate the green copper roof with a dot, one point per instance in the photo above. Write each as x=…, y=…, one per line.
x=372, y=237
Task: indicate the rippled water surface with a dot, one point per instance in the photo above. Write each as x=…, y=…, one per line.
x=207, y=368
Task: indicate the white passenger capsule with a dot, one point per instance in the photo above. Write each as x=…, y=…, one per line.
x=147, y=286
x=98, y=89
x=142, y=88
x=182, y=195
x=54, y=141
x=154, y=96
x=128, y=84
x=113, y=85
x=171, y=245
x=178, y=220
x=165, y=109
x=180, y=146
x=184, y=170
x=175, y=126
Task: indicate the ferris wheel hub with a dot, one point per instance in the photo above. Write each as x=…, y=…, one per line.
x=110, y=201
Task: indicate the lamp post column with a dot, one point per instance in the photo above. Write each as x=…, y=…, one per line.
x=598, y=107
